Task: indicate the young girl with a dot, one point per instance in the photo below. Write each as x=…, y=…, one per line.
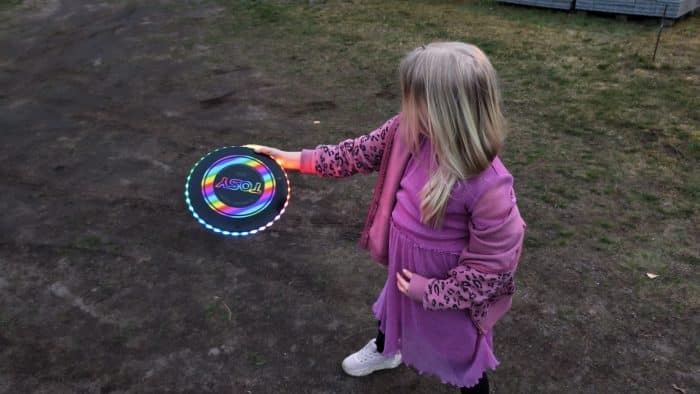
x=443, y=217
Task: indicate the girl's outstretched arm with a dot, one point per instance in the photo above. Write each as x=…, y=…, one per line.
x=362, y=154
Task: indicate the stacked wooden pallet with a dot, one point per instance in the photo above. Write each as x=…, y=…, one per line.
x=559, y=4
x=673, y=8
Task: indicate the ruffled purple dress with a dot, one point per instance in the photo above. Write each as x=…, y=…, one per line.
x=444, y=343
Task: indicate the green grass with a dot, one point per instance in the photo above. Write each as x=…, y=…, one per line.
x=5, y=4
x=256, y=359
x=218, y=311
x=89, y=242
x=5, y=321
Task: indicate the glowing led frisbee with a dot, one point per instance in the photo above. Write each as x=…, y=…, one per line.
x=235, y=191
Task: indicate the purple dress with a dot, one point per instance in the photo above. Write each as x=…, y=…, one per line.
x=441, y=342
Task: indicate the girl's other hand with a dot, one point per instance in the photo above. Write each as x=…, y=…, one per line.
x=403, y=281
x=288, y=160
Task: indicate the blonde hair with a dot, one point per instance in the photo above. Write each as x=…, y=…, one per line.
x=450, y=95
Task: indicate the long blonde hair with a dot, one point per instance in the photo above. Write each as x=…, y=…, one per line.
x=450, y=95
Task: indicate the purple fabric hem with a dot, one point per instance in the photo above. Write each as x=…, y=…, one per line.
x=447, y=381
x=490, y=366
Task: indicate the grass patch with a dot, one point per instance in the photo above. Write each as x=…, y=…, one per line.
x=89, y=242
x=218, y=311
x=6, y=4
x=256, y=359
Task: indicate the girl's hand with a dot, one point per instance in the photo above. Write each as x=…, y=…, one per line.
x=288, y=160
x=402, y=281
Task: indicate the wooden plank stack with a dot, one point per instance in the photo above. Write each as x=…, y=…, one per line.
x=673, y=9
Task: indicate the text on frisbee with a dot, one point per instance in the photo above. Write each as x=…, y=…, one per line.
x=235, y=191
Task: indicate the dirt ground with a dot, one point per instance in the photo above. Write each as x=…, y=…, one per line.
x=108, y=285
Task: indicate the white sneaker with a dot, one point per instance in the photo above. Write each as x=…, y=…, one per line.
x=368, y=360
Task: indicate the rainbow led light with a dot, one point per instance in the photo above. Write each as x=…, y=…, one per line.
x=268, y=189
x=268, y=192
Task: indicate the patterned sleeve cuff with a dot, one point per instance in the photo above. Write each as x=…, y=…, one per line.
x=417, y=287
x=306, y=166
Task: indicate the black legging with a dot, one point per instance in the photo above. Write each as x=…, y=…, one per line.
x=482, y=387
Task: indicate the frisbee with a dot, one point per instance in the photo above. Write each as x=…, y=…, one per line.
x=235, y=191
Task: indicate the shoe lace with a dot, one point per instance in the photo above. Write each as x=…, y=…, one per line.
x=369, y=352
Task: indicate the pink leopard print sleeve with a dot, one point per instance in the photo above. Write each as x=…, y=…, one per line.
x=362, y=154
x=467, y=288
x=487, y=264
